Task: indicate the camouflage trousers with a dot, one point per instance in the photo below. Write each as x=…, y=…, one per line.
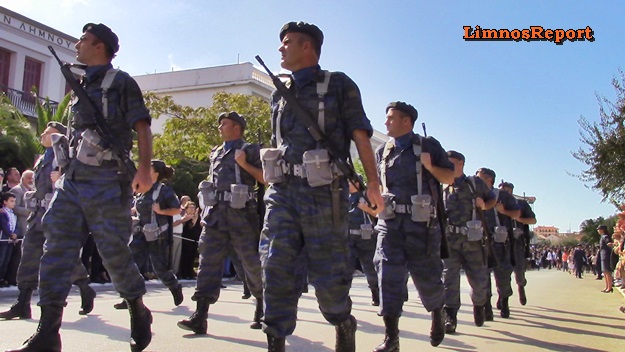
x=77, y=208
x=503, y=270
x=299, y=223
x=158, y=252
x=469, y=257
x=520, y=262
x=227, y=227
x=32, y=250
x=361, y=250
x=417, y=252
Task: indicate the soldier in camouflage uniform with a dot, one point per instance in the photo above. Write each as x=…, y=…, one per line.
x=465, y=252
x=32, y=247
x=229, y=221
x=409, y=240
x=501, y=216
x=362, y=240
x=94, y=195
x=299, y=214
x=521, y=242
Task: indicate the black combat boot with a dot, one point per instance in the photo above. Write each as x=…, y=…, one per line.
x=346, y=335
x=21, y=307
x=437, y=331
x=176, y=292
x=140, y=321
x=488, y=311
x=275, y=344
x=478, y=315
x=121, y=305
x=451, y=320
x=258, y=315
x=197, y=322
x=246, y=291
x=47, y=337
x=87, y=296
x=375, y=296
x=522, y=296
x=391, y=336
x=505, y=309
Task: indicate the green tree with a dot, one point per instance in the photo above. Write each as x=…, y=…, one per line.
x=588, y=228
x=18, y=144
x=45, y=112
x=603, y=149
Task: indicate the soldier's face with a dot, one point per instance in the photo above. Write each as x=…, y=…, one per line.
x=45, y=139
x=486, y=178
x=397, y=124
x=228, y=130
x=458, y=166
x=292, y=50
x=86, y=51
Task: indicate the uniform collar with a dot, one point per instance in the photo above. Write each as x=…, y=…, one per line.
x=230, y=144
x=93, y=72
x=460, y=180
x=306, y=75
x=403, y=142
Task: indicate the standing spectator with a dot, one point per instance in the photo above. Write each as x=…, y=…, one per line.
x=579, y=259
x=191, y=230
x=565, y=260
x=8, y=228
x=22, y=213
x=605, y=248
x=12, y=179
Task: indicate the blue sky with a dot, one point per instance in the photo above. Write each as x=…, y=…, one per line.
x=509, y=106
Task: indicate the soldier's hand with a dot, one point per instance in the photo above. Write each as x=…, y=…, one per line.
x=499, y=207
x=239, y=157
x=375, y=197
x=479, y=202
x=142, y=181
x=426, y=160
x=54, y=176
x=156, y=208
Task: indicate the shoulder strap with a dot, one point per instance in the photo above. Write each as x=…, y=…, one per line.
x=496, y=191
x=472, y=188
x=109, y=77
x=155, y=195
x=417, y=149
x=388, y=148
x=322, y=89
x=237, y=169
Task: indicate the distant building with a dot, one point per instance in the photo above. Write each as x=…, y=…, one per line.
x=26, y=62
x=545, y=231
x=196, y=87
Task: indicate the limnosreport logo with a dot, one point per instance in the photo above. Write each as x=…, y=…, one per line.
x=534, y=33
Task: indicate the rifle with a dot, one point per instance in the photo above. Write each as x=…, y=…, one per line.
x=315, y=131
x=492, y=261
x=103, y=129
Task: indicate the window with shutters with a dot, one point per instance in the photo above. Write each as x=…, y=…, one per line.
x=5, y=64
x=32, y=77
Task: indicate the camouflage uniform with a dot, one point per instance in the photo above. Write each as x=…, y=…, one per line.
x=503, y=269
x=32, y=246
x=94, y=199
x=362, y=249
x=402, y=243
x=521, y=244
x=225, y=225
x=159, y=250
x=298, y=214
x=465, y=254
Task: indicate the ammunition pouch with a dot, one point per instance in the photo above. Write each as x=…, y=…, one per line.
x=366, y=231
x=272, y=162
x=318, y=167
x=475, y=230
x=389, y=207
x=60, y=147
x=90, y=151
x=501, y=234
x=421, y=208
x=208, y=191
x=31, y=202
x=517, y=233
x=152, y=231
x=239, y=195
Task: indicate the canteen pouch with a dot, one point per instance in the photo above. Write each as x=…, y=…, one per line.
x=209, y=194
x=45, y=203
x=421, y=210
x=501, y=234
x=89, y=150
x=366, y=231
x=475, y=231
x=389, y=207
x=517, y=233
x=271, y=159
x=60, y=147
x=30, y=202
x=150, y=231
x=239, y=196
x=318, y=168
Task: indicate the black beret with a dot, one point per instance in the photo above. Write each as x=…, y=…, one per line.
x=456, y=155
x=104, y=33
x=303, y=27
x=486, y=171
x=234, y=117
x=58, y=126
x=506, y=185
x=405, y=108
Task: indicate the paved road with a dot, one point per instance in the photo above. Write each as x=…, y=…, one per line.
x=562, y=314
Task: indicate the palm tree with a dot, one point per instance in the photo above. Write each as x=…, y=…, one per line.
x=18, y=144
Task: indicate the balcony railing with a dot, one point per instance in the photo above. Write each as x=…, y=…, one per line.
x=25, y=102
